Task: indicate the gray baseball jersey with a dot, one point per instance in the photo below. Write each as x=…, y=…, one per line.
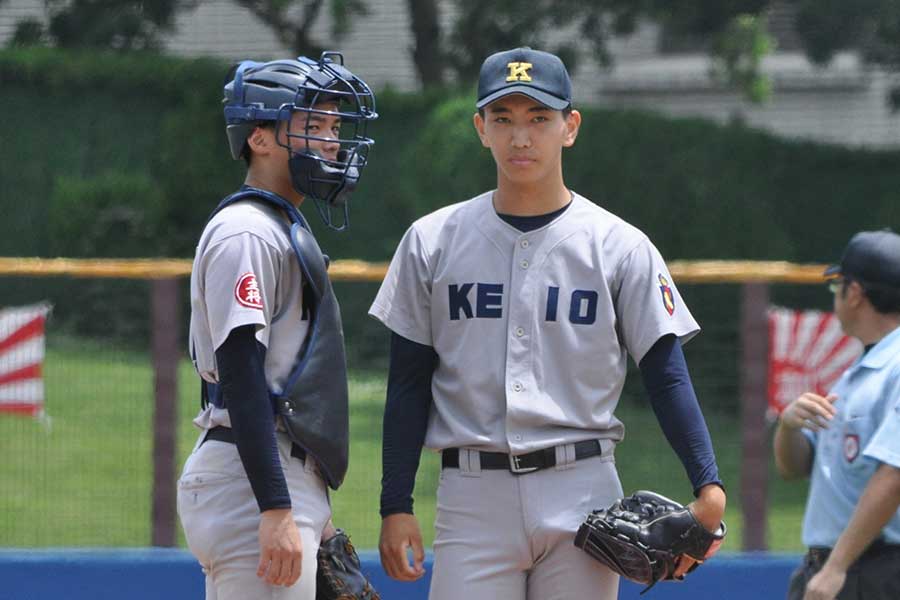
x=245, y=273
x=532, y=329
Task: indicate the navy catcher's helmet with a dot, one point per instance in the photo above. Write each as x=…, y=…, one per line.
x=274, y=91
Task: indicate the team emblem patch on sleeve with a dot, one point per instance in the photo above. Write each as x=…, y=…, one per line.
x=851, y=447
x=667, y=297
x=247, y=291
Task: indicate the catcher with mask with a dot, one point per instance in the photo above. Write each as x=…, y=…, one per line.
x=266, y=340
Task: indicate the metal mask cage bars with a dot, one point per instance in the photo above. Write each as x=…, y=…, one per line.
x=328, y=180
x=355, y=106
x=336, y=174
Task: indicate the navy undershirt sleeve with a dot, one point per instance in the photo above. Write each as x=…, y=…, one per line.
x=406, y=410
x=240, y=361
x=668, y=384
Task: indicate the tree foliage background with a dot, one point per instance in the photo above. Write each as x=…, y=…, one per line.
x=733, y=32
x=113, y=24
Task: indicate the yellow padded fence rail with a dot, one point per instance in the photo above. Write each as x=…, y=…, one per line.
x=694, y=271
x=154, y=268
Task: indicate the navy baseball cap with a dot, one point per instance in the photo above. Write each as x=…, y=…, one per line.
x=538, y=75
x=871, y=257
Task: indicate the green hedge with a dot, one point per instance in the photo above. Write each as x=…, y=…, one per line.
x=90, y=73
x=92, y=137
x=700, y=190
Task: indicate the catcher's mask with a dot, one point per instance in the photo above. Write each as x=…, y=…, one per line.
x=275, y=91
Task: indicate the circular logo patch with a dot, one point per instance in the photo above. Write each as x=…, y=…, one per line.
x=851, y=447
x=247, y=291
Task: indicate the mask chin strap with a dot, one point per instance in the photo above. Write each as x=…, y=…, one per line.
x=326, y=211
x=339, y=200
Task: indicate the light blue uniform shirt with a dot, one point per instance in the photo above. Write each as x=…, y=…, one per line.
x=864, y=433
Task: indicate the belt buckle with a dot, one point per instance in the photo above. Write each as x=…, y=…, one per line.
x=516, y=468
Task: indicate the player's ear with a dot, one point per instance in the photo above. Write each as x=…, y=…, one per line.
x=259, y=141
x=478, y=121
x=854, y=294
x=573, y=123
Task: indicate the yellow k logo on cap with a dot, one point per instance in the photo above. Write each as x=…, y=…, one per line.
x=518, y=71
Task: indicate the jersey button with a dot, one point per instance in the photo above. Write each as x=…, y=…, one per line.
x=524, y=264
x=524, y=243
x=517, y=437
x=518, y=387
x=520, y=332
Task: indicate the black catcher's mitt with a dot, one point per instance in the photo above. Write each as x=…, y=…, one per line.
x=642, y=537
x=339, y=576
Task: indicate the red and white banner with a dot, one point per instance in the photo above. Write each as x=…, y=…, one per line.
x=808, y=351
x=21, y=359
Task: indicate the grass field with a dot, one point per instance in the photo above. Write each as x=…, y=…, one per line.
x=86, y=479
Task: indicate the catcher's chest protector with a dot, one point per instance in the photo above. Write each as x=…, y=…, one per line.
x=314, y=405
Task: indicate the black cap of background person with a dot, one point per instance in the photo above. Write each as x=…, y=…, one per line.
x=538, y=75
x=871, y=257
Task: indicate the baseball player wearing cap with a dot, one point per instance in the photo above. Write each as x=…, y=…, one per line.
x=265, y=333
x=512, y=315
x=848, y=442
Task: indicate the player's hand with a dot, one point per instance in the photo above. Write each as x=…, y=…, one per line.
x=399, y=533
x=809, y=410
x=709, y=508
x=280, y=548
x=826, y=584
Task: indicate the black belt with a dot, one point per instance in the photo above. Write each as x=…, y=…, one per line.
x=817, y=555
x=522, y=463
x=225, y=434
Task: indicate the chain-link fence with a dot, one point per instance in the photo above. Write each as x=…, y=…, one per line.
x=84, y=475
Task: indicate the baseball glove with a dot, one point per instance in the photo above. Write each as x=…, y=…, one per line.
x=644, y=536
x=339, y=576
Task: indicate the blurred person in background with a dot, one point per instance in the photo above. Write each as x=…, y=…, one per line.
x=848, y=442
